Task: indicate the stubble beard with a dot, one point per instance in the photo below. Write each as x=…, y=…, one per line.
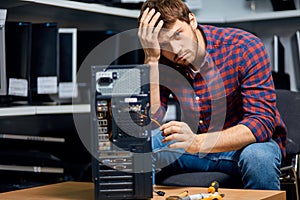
x=193, y=64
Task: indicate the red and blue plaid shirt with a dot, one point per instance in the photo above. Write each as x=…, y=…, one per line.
x=234, y=86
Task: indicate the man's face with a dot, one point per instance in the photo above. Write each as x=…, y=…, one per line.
x=179, y=43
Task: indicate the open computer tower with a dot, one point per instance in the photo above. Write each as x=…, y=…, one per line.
x=121, y=132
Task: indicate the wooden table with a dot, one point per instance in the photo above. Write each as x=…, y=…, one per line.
x=85, y=191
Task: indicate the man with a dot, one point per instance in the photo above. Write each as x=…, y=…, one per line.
x=222, y=79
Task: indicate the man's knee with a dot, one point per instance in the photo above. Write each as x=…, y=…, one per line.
x=260, y=165
x=261, y=154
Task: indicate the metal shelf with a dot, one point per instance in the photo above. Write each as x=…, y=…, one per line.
x=51, y=109
x=90, y=7
x=127, y=13
x=264, y=16
x=35, y=169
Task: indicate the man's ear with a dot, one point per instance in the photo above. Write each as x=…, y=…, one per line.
x=193, y=20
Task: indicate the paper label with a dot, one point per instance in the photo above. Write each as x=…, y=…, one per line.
x=18, y=87
x=47, y=85
x=67, y=90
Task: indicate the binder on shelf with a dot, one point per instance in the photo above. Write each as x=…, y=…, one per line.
x=67, y=88
x=18, y=59
x=44, y=70
x=280, y=78
x=295, y=43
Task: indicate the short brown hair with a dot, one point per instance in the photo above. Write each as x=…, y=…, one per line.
x=170, y=10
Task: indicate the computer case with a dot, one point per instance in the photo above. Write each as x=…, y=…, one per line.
x=280, y=78
x=44, y=72
x=279, y=5
x=67, y=83
x=121, y=132
x=18, y=59
x=3, y=80
x=295, y=43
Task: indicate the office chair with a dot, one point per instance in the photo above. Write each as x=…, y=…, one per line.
x=288, y=103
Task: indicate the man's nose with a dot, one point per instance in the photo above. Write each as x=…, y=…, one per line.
x=175, y=47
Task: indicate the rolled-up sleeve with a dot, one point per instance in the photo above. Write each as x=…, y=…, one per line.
x=258, y=94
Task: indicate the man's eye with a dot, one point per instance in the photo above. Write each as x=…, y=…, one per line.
x=177, y=34
x=163, y=45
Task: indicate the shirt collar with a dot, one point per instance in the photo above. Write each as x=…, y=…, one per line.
x=204, y=64
x=207, y=32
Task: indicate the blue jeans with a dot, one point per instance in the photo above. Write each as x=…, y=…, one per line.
x=257, y=164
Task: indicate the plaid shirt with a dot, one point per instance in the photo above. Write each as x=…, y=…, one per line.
x=234, y=86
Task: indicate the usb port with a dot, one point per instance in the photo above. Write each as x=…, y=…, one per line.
x=102, y=129
x=103, y=137
x=102, y=122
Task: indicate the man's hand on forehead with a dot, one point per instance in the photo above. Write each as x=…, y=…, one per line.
x=148, y=33
x=150, y=18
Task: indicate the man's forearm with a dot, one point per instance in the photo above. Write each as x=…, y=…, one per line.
x=230, y=139
x=154, y=87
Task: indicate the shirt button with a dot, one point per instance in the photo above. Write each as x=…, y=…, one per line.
x=197, y=98
x=200, y=121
